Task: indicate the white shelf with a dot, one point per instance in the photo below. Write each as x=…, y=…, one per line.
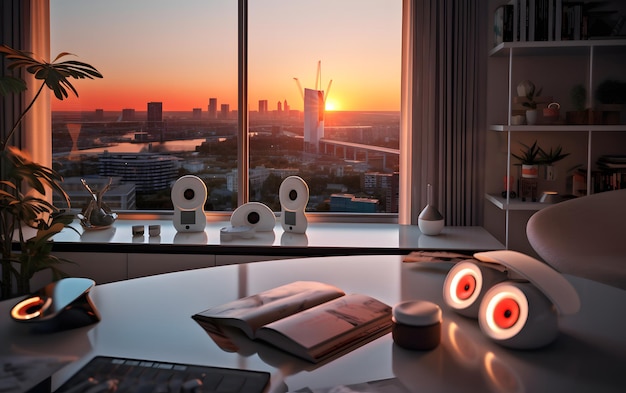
x=515, y=203
x=555, y=48
x=559, y=128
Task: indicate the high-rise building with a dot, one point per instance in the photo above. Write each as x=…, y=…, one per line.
x=224, y=111
x=313, y=119
x=212, y=108
x=128, y=114
x=148, y=171
x=262, y=107
x=197, y=113
x=155, y=111
x=279, y=106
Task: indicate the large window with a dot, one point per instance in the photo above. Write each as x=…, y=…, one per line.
x=323, y=100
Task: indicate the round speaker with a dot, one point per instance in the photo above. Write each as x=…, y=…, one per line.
x=189, y=192
x=518, y=315
x=293, y=193
x=254, y=214
x=465, y=285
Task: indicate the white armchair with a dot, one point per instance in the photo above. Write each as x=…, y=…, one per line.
x=585, y=237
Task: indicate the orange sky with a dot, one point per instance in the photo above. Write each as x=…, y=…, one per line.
x=183, y=53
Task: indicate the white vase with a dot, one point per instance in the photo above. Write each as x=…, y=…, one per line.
x=430, y=221
x=531, y=117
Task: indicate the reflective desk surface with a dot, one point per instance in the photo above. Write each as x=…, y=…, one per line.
x=320, y=239
x=150, y=318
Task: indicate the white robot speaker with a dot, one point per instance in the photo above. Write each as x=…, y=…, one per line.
x=189, y=194
x=516, y=298
x=255, y=215
x=294, y=196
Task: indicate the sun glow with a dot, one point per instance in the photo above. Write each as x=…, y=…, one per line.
x=331, y=105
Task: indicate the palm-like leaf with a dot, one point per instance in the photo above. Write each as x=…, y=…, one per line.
x=20, y=167
x=55, y=74
x=9, y=84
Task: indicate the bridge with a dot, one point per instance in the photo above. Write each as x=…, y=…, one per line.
x=355, y=149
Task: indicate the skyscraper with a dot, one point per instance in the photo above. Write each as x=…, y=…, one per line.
x=155, y=111
x=224, y=111
x=212, y=108
x=313, y=119
x=262, y=107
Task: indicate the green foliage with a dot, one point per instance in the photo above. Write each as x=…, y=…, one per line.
x=529, y=155
x=20, y=209
x=552, y=156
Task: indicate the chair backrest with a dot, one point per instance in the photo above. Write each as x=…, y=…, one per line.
x=585, y=236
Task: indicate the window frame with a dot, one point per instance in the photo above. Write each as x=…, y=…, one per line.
x=403, y=217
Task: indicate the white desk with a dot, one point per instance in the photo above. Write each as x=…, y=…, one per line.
x=321, y=238
x=151, y=318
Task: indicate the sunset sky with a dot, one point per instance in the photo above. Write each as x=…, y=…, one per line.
x=184, y=52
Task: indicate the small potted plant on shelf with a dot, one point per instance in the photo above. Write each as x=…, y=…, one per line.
x=528, y=90
x=24, y=183
x=580, y=114
x=548, y=158
x=529, y=160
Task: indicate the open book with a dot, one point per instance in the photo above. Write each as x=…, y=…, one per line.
x=311, y=320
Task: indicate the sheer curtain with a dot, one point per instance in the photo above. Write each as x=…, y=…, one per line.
x=444, y=107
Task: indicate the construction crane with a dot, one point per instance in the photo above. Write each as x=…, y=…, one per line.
x=318, y=78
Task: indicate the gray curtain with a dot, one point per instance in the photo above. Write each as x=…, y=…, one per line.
x=449, y=55
x=11, y=34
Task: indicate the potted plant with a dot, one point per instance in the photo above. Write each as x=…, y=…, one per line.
x=529, y=160
x=24, y=183
x=580, y=114
x=548, y=158
x=528, y=90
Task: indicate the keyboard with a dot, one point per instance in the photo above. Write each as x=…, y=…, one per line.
x=109, y=374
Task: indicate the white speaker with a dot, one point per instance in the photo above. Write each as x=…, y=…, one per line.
x=294, y=196
x=523, y=313
x=466, y=284
x=518, y=315
x=189, y=194
x=255, y=215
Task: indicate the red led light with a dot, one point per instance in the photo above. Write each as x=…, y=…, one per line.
x=506, y=313
x=28, y=308
x=466, y=287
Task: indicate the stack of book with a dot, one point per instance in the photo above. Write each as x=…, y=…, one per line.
x=611, y=174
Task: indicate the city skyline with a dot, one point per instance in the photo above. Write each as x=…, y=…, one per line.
x=164, y=52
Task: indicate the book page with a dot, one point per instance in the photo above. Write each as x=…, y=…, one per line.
x=329, y=327
x=252, y=312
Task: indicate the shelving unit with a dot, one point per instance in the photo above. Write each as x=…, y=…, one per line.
x=536, y=50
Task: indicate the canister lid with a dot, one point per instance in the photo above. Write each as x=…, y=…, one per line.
x=417, y=313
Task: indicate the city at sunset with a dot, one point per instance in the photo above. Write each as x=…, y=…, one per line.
x=183, y=53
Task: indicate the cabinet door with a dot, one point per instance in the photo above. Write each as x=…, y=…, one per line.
x=140, y=265
x=101, y=267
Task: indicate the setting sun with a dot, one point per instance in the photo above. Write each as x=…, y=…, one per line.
x=331, y=105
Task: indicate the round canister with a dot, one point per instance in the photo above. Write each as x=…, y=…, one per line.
x=416, y=324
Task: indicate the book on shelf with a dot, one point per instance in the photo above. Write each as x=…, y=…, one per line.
x=555, y=20
x=312, y=320
x=503, y=24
